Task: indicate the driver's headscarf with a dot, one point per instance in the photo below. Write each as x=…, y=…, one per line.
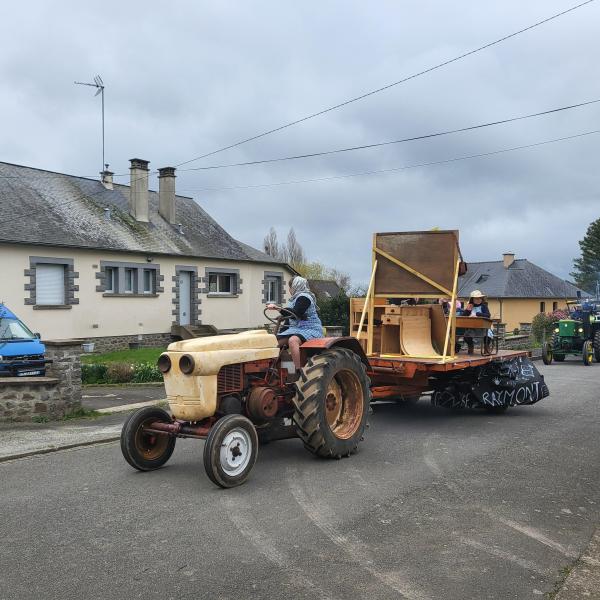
x=299, y=286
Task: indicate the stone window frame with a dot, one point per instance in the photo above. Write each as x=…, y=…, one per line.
x=195, y=291
x=139, y=267
x=69, y=279
x=279, y=275
x=222, y=271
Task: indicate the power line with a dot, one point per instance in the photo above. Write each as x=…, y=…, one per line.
x=388, y=143
x=333, y=177
x=395, y=169
x=386, y=87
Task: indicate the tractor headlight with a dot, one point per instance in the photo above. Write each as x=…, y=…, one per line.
x=581, y=330
x=556, y=330
x=164, y=363
x=186, y=364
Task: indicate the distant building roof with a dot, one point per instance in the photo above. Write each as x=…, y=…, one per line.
x=325, y=288
x=48, y=208
x=522, y=279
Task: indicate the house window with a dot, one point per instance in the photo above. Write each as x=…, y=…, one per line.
x=542, y=307
x=273, y=290
x=148, y=281
x=221, y=283
x=112, y=280
x=130, y=281
x=50, y=284
x=555, y=306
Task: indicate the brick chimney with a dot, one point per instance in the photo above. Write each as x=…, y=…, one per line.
x=166, y=194
x=106, y=177
x=508, y=259
x=138, y=189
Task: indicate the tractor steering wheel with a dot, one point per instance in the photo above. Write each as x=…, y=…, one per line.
x=284, y=314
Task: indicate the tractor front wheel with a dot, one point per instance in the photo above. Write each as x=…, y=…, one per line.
x=230, y=451
x=597, y=346
x=547, y=353
x=143, y=449
x=588, y=353
x=332, y=404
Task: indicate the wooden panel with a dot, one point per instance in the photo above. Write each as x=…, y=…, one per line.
x=474, y=322
x=415, y=336
x=431, y=253
x=439, y=323
x=390, y=339
x=392, y=309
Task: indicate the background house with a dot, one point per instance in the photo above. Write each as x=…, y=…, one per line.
x=324, y=289
x=111, y=263
x=517, y=289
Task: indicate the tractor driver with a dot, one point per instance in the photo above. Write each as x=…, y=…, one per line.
x=306, y=325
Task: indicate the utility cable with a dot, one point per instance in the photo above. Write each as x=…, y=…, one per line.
x=388, y=86
x=388, y=143
x=394, y=169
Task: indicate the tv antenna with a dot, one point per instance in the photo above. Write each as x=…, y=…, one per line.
x=99, y=85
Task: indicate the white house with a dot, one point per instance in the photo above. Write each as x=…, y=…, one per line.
x=115, y=264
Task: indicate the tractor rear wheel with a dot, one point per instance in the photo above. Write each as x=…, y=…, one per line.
x=597, y=346
x=588, y=352
x=230, y=451
x=142, y=449
x=332, y=403
x=547, y=353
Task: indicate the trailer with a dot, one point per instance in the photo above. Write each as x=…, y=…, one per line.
x=238, y=391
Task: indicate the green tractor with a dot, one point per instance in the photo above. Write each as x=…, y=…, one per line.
x=578, y=335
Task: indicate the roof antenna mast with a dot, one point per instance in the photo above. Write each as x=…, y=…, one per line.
x=99, y=85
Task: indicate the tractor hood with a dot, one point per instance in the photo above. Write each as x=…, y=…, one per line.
x=248, y=340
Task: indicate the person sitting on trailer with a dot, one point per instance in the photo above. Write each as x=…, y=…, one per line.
x=476, y=307
x=306, y=325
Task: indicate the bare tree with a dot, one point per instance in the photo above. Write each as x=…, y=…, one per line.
x=294, y=251
x=271, y=244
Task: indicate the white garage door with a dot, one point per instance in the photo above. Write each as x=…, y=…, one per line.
x=49, y=284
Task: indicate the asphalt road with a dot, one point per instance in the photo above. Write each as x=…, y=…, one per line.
x=436, y=505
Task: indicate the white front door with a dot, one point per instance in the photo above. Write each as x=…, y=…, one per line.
x=185, y=290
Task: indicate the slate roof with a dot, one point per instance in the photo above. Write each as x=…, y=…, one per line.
x=48, y=208
x=522, y=279
x=324, y=288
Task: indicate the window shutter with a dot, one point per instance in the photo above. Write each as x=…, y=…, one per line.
x=50, y=284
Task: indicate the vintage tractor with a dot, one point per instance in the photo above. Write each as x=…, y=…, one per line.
x=578, y=335
x=234, y=390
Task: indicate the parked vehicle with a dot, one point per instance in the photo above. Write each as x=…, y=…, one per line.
x=21, y=351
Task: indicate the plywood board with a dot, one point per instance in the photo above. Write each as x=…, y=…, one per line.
x=390, y=339
x=415, y=336
x=431, y=253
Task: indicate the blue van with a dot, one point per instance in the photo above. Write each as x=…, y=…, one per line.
x=21, y=352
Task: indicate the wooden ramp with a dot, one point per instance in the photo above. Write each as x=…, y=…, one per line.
x=415, y=337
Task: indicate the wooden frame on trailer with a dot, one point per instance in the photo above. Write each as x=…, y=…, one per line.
x=414, y=264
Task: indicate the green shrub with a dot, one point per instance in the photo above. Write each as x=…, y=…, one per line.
x=543, y=324
x=119, y=372
x=335, y=311
x=94, y=374
x=145, y=372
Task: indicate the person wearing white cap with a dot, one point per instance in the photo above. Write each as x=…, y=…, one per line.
x=476, y=307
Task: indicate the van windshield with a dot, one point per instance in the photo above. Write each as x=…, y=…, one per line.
x=13, y=329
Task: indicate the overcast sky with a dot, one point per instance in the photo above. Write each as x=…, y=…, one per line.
x=185, y=78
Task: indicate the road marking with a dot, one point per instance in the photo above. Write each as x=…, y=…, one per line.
x=355, y=548
x=266, y=546
x=530, y=532
x=495, y=551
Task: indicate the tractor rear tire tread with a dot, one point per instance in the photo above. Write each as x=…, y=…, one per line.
x=309, y=402
x=597, y=346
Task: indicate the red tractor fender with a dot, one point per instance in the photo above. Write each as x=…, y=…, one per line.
x=316, y=346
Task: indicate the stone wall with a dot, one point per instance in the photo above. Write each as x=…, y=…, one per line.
x=53, y=396
x=121, y=342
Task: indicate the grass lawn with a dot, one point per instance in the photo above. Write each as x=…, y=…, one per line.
x=142, y=355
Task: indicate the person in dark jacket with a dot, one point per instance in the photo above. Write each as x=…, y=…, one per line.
x=476, y=307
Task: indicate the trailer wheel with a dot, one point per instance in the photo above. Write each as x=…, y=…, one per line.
x=597, y=346
x=332, y=404
x=588, y=353
x=144, y=450
x=230, y=451
x=547, y=353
